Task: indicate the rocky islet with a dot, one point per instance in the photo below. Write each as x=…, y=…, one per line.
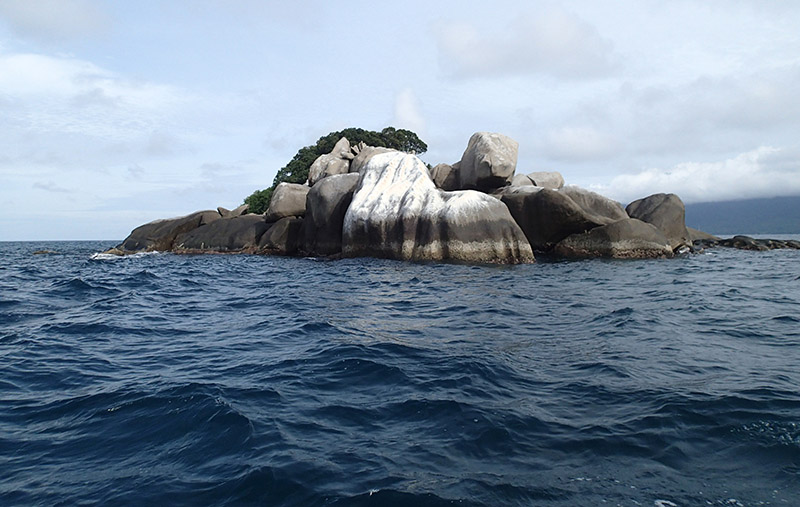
x=365, y=201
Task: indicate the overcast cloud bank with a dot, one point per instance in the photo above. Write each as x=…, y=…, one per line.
x=118, y=113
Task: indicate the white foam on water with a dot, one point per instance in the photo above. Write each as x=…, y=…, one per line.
x=100, y=256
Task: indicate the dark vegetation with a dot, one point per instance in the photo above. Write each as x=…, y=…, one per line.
x=296, y=171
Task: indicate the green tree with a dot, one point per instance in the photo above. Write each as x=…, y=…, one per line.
x=296, y=171
x=259, y=200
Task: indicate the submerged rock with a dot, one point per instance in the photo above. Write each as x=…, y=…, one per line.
x=625, y=239
x=397, y=212
x=159, y=235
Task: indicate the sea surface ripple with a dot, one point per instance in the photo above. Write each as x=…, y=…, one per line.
x=231, y=379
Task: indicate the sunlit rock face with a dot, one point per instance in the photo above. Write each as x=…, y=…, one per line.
x=335, y=162
x=288, y=200
x=397, y=212
x=488, y=162
x=545, y=179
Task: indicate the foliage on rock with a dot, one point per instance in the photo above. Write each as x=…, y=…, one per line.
x=296, y=171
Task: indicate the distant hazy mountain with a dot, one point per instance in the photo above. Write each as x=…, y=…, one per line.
x=776, y=215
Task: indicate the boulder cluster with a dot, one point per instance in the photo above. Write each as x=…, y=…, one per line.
x=365, y=201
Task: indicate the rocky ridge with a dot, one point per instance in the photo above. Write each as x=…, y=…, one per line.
x=364, y=201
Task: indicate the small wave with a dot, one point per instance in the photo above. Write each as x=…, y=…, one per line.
x=394, y=497
x=5, y=303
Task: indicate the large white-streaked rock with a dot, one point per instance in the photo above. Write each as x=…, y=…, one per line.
x=488, y=162
x=288, y=200
x=397, y=212
x=335, y=162
x=365, y=153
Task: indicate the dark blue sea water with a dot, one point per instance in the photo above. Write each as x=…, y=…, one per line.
x=226, y=380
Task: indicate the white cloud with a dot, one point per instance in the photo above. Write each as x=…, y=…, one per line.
x=763, y=172
x=53, y=20
x=58, y=102
x=553, y=42
x=51, y=187
x=581, y=143
x=27, y=75
x=407, y=113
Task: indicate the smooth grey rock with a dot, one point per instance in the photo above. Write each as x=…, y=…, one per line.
x=595, y=204
x=284, y=237
x=159, y=235
x=665, y=211
x=226, y=213
x=335, y=162
x=445, y=176
x=521, y=180
x=233, y=234
x=488, y=162
x=397, y=212
x=695, y=235
x=238, y=211
x=625, y=239
x=288, y=200
x=326, y=205
x=547, y=179
x=548, y=216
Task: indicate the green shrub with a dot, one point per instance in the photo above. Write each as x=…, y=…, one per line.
x=296, y=171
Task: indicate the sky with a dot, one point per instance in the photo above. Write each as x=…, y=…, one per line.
x=113, y=114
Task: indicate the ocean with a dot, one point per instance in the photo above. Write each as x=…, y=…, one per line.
x=161, y=379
